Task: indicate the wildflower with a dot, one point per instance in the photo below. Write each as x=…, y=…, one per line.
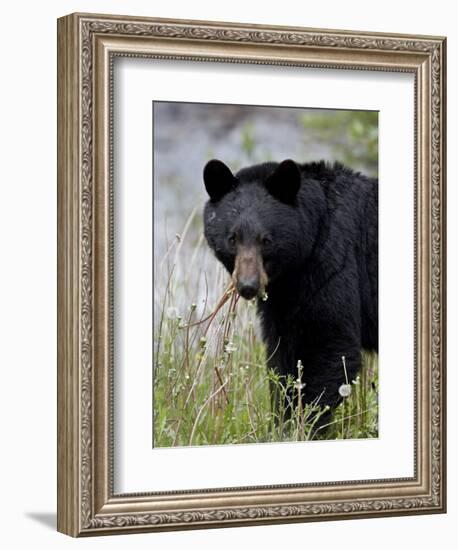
x=345, y=390
x=193, y=306
x=229, y=348
x=203, y=342
x=298, y=385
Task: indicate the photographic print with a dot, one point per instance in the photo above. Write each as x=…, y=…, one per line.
x=265, y=274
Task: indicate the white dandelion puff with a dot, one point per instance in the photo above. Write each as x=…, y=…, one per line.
x=345, y=390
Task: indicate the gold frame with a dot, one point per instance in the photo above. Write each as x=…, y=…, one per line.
x=87, y=44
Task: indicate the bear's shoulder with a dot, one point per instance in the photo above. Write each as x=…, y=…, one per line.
x=334, y=178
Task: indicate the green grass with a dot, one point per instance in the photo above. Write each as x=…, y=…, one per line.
x=211, y=384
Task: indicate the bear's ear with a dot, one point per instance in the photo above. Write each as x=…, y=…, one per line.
x=285, y=181
x=218, y=179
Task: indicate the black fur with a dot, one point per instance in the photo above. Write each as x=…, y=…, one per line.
x=318, y=238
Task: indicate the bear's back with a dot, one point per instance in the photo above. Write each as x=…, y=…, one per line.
x=337, y=180
x=350, y=225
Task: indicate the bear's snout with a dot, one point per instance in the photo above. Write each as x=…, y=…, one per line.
x=248, y=288
x=249, y=276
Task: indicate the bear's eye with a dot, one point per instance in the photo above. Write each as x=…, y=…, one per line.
x=266, y=241
x=232, y=239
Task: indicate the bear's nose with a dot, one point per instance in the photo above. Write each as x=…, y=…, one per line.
x=248, y=288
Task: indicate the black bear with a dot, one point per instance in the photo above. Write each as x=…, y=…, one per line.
x=303, y=240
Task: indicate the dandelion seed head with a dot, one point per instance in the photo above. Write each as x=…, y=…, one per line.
x=345, y=390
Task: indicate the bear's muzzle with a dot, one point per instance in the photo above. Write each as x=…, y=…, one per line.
x=249, y=276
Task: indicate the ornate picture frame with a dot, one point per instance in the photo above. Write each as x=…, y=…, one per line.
x=87, y=46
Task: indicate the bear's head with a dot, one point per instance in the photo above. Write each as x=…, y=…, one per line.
x=256, y=223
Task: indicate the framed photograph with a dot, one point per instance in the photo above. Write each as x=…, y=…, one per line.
x=251, y=276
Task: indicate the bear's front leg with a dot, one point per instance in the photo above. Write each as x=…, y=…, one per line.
x=314, y=375
x=326, y=372
x=326, y=376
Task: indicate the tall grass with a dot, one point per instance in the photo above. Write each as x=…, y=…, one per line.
x=210, y=381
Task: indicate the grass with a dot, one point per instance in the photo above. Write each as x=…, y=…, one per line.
x=211, y=384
